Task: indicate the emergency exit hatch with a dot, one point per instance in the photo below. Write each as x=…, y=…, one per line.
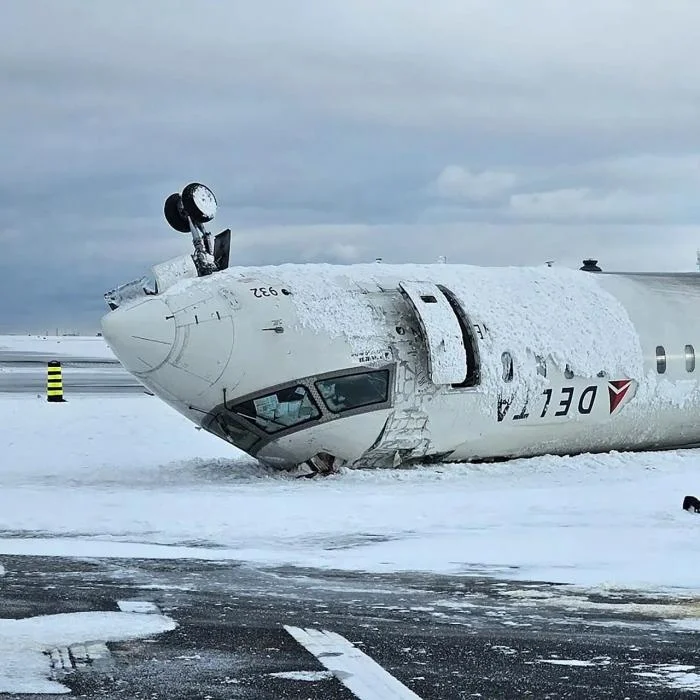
x=447, y=356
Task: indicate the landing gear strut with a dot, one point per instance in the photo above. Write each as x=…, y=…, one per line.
x=187, y=213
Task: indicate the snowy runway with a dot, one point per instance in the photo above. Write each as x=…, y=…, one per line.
x=222, y=630
x=127, y=476
x=88, y=366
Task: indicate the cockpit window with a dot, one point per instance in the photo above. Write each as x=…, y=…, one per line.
x=354, y=390
x=131, y=290
x=279, y=410
x=149, y=285
x=242, y=437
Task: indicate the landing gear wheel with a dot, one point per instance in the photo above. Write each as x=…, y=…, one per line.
x=321, y=464
x=199, y=203
x=175, y=213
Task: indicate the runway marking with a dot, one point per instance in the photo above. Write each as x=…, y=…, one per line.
x=353, y=668
x=65, y=660
x=37, y=652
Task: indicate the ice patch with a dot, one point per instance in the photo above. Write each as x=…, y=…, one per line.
x=689, y=625
x=505, y=650
x=310, y=676
x=567, y=662
x=138, y=606
x=676, y=676
x=677, y=607
x=24, y=643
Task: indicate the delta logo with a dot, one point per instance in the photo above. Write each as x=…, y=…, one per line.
x=618, y=389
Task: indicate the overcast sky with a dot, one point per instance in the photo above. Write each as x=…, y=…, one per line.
x=489, y=131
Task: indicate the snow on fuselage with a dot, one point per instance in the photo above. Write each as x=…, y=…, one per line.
x=376, y=365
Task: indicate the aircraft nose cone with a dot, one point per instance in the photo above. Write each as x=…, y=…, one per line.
x=141, y=335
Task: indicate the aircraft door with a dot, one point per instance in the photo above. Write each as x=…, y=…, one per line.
x=447, y=356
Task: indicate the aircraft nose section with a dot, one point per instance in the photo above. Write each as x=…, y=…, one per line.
x=141, y=335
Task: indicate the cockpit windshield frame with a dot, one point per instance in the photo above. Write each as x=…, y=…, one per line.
x=242, y=421
x=144, y=286
x=279, y=410
x=348, y=392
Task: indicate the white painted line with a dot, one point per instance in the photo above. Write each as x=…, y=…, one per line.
x=353, y=668
x=64, y=659
x=138, y=606
x=95, y=651
x=80, y=655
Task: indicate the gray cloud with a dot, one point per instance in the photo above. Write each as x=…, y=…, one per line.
x=488, y=133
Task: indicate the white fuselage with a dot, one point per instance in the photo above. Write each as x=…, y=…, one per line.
x=377, y=365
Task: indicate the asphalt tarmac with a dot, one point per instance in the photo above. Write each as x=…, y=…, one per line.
x=436, y=637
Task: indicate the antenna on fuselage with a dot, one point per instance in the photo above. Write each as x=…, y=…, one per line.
x=187, y=213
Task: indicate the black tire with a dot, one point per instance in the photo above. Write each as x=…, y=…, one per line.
x=691, y=504
x=190, y=205
x=175, y=215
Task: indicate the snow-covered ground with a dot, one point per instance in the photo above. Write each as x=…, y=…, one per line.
x=127, y=476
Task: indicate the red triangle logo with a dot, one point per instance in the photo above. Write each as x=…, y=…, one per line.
x=617, y=389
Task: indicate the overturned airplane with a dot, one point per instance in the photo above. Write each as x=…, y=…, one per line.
x=379, y=365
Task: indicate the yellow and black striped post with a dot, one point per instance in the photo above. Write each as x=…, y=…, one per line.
x=54, y=382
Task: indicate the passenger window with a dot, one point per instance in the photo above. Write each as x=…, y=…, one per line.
x=507, y=361
x=660, y=359
x=689, y=358
x=280, y=410
x=568, y=372
x=354, y=390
